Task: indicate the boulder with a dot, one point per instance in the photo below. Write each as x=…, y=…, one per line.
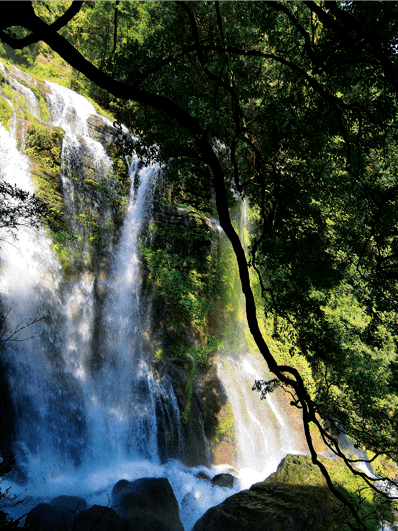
x=223, y=480
x=99, y=518
x=71, y=504
x=147, y=504
x=191, y=499
x=295, y=497
x=46, y=517
x=273, y=507
x=202, y=475
x=99, y=129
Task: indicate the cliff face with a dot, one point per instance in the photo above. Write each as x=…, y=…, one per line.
x=183, y=260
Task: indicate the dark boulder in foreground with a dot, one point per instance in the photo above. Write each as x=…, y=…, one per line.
x=271, y=507
x=147, y=504
x=71, y=504
x=46, y=517
x=99, y=518
x=294, y=498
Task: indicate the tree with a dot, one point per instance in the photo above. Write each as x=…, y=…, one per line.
x=293, y=106
x=18, y=209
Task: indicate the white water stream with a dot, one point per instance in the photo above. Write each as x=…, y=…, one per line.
x=85, y=398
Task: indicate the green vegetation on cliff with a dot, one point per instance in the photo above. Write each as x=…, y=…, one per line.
x=299, y=471
x=43, y=145
x=296, y=498
x=293, y=106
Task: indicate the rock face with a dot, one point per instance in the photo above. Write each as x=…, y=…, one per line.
x=147, y=504
x=272, y=507
x=71, y=504
x=294, y=498
x=46, y=517
x=223, y=480
x=183, y=235
x=67, y=513
x=182, y=226
x=206, y=402
x=100, y=518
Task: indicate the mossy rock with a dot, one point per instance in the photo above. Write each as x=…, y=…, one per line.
x=300, y=471
x=5, y=112
x=43, y=146
x=274, y=507
x=294, y=498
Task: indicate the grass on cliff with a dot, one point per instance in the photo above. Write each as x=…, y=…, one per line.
x=374, y=509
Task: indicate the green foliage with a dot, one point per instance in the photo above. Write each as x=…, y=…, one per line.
x=188, y=392
x=226, y=426
x=180, y=284
x=43, y=145
x=308, y=135
x=94, y=229
x=61, y=239
x=210, y=346
x=198, y=279
x=300, y=109
x=5, y=112
x=19, y=208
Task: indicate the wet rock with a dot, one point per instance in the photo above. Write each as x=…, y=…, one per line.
x=100, y=130
x=46, y=517
x=7, y=415
x=71, y=504
x=99, y=518
x=223, y=480
x=191, y=499
x=202, y=475
x=195, y=446
x=147, y=504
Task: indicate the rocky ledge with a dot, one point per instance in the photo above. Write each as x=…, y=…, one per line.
x=294, y=498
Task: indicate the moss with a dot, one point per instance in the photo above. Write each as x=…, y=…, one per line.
x=40, y=92
x=189, y=392
x=225, y=431
x=43, y=146
x=181, y=283
x=61, y=239
x=49, y=65
x=18, y=101
x=100, y=110
x=300, y=471
x=5, y=112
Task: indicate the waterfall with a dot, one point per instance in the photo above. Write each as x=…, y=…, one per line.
x=263, y=435
x=89, y=408
x=83, y=390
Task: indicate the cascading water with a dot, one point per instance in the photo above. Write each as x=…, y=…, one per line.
x=263, y=436
x=91, y=398
x=88, y=408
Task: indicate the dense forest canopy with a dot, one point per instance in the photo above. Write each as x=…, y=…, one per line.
x=292, y=105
